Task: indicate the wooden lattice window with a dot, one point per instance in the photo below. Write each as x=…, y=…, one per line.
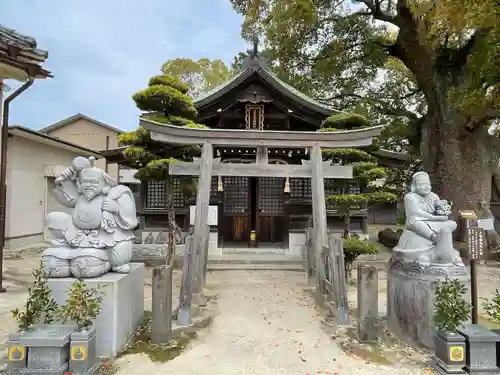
x=300, y=188
x=235, y=194
x=155, y=194
x=254, y=116
x=271, y=196
x=214, y=186
x=178, y=195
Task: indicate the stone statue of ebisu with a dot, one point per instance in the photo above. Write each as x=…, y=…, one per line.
x=424, y=255
x=428, y=234
x=98, y=235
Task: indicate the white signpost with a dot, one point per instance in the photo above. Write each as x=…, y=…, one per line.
x=212, y=215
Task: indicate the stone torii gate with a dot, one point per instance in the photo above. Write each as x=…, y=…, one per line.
x=206, y=166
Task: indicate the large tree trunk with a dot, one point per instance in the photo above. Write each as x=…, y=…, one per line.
x=460, y=165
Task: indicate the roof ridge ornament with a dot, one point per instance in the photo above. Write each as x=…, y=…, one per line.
x=255, y=40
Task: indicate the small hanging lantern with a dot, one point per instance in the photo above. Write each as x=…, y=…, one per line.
x=220, y=187
x=286, y=190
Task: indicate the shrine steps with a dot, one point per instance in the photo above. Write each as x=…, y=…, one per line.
x=255, y=261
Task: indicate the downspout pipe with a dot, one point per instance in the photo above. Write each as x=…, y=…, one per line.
x=3, y=170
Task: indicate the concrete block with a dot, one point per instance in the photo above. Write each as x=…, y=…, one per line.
x=122, y=306
x=83, y=360
x=48, y=349
x=296, y=242
x=481, y=349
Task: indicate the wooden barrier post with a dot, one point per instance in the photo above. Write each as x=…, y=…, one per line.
x=367, y=303
x=188, y=268
x=198, y=295
x=309, y=256
x=161, y=319
x=337, y=245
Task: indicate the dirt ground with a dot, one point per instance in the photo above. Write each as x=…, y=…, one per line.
x=266, y=323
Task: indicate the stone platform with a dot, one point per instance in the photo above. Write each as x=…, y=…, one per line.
x=411, y=297
x=122, y=308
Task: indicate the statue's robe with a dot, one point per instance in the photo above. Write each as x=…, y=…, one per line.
x=415, y=202
x=90, y=226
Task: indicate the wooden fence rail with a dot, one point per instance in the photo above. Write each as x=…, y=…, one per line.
x=193, y=282
x=334, y=284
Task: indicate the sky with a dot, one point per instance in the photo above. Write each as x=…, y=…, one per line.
x=103, y=51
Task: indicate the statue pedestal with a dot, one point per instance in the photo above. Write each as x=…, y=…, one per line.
x=122, y=307
x=411, y=297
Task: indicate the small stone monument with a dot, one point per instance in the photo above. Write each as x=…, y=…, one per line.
x=423, y=256
x=98, y=236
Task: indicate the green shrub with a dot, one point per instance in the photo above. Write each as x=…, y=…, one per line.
x=82, y=306
x=451, y=309
x=492, y=307
x=40, y=305
x=353, y=248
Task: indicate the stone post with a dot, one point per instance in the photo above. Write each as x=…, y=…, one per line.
x=367, y=303
x=161, y=320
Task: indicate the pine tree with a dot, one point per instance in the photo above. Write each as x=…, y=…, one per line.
x=165, y=100
x=374, y=183
x=40, y=305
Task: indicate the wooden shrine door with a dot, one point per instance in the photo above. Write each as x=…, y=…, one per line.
x=236, y=211
x=271, y=209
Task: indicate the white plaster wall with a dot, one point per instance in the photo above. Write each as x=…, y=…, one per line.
x=296, y=242
x=27, y=188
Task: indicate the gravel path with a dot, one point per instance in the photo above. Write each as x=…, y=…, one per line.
x=266, y=325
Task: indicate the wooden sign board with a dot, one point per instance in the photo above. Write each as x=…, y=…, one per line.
x=213, y=215
x=468, y=214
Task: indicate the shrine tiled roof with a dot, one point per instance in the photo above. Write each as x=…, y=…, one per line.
x=26, y=43
x=259, y=67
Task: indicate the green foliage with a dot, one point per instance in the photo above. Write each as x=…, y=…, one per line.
x=82, y=306
x=345, y=121
x=40, y=305
x=492, y=307
x=346, y=155
x=401, y=220
x=350, y=202
x=197, y=76
x=156, y=169
x=169, y=81
x=136, y=137
x=166, y=100
x=353, y=248
x=451, y=309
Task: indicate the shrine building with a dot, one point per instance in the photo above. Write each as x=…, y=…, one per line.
x=254, y=211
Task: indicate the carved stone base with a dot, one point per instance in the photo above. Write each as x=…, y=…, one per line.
x=81, y=263
x=411, y=297
x=413, y=248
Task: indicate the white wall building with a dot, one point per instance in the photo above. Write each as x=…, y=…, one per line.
x=33, y=161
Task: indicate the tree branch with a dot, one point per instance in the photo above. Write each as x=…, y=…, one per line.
x=475, y=121
x=378, y=13
x=463, y=52
x=381, y=106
